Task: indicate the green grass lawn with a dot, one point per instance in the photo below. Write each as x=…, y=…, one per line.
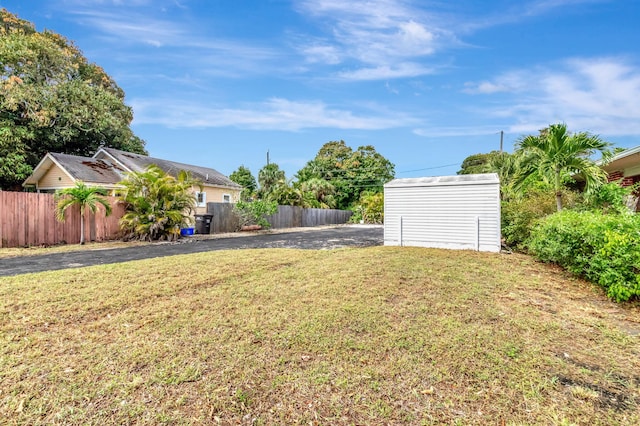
x=355, y=336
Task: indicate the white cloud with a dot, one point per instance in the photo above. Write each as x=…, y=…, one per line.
x=273, y=114
x=384, y=72
x=371, y=37
x=132, y=28
x=515, y=12
x=368, y=37
x=510, y=82
x=596, y=94
x=322, y=53
x=136, y=28
x=182, y=49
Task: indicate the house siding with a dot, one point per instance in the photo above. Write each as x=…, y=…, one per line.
x=624, y=167
x=55, y=178
x=626, y=177
x=215, y=195
x=451, y=215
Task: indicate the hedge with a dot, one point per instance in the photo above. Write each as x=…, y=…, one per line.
x=604, y=249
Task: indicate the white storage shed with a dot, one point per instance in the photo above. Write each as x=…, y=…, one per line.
x=452, y=212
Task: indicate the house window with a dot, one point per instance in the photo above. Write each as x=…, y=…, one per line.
x=226, y=198
x=201, y=199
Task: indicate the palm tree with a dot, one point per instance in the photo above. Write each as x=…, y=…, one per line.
x=318, y=193
x=86, y=197
x=158, y=205
x=555, y=156
x=269, y=178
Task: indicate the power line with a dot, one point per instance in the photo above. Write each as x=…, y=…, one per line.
x=428, y=168
x=357, y=169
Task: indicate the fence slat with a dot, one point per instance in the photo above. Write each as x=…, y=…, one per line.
x=27, y=219
x=225, y=220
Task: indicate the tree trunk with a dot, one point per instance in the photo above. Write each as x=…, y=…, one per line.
x=81, y=226
x=558, y=189
x=559, y=200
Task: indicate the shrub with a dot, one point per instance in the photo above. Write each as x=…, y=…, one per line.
x=520, y=214
x=158, y=205
x=254, y=212
x=370, y=208
x=603, y=248
x=611, y=198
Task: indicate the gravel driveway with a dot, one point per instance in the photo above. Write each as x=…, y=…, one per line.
x=301, y=238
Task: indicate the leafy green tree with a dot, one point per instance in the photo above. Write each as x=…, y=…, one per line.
x=158, y=205
x=317, y=193
x=285, y=194
x=478, y=163
x=350, y=172
x=555, y=156
x=270, y=177
x=369, y=170
x=87, y=197
x=370, y=209
x=507, y=167
x=243, y=177
x=53, y=100
x=254, y=212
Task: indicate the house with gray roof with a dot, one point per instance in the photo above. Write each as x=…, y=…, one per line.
x=109, y=166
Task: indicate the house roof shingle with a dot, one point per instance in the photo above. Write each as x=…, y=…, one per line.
x=109, y=166
x=89, y=169
x=138, y=162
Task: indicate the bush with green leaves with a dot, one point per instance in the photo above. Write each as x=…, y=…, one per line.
x=158, y=205
x=610, y=198
x=605, y=249
x=370, y=208
x=519, y=214
x=254, y=212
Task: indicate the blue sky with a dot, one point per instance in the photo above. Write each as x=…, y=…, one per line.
x=219, y=83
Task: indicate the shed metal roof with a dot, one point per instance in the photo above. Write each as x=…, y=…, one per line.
x=475, y=179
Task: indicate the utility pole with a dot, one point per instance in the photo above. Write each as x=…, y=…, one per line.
x=267, y=157
x=501, y=139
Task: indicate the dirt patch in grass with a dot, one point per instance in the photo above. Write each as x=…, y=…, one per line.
x=357, y=336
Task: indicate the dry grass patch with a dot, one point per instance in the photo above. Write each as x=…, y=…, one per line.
x=358, y=336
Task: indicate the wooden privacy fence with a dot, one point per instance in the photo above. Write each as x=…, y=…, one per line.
x=294, y=217
x=28, y=219
x=224, y=219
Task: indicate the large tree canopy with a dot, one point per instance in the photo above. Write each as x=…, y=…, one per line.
x=478, y=163
x=53, y=99
x=350, y=172
x=271, y=178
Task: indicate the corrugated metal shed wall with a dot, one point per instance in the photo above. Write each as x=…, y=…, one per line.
x=453, y=212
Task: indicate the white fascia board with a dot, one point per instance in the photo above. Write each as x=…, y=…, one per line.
x=112, y=158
